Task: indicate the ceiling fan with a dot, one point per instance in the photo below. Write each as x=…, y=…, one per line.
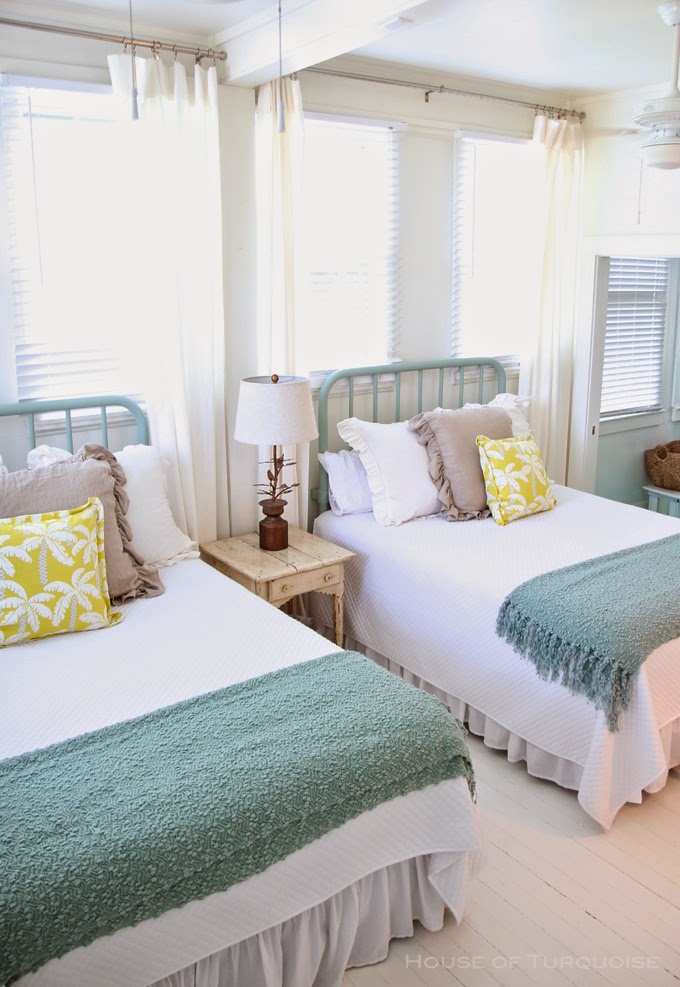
x=662, y=116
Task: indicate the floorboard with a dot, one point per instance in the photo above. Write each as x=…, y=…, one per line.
x=559, y=902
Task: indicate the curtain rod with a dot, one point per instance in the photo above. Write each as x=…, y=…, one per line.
x=115, y=39
x=430, y=89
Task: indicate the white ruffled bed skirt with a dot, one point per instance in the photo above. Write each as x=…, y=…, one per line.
x=540, y=763
x=352, y=928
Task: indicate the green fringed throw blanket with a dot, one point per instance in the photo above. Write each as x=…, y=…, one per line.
x=114, y=827
x=591, y=625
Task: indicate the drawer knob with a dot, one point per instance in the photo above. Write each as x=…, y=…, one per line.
x=329, y=577
x=285, y=588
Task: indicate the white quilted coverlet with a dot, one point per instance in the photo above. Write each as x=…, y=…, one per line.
x=204, y=633
x=426, y=595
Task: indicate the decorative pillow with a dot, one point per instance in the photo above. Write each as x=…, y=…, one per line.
x=348, y=489
x=516, y=481
x=53, y=574
x=516, y=406
x=155, y=536
x=396, y=466
x=63, y=486
x=450, y=438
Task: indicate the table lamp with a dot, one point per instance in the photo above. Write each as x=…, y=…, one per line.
x=275, y=411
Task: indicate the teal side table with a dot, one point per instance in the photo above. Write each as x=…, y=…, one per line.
x=656, y=494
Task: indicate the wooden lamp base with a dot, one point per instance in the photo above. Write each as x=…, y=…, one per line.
x=273, y=527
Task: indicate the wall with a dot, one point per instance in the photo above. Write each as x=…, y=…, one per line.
x=237, y=151
x=628, y=210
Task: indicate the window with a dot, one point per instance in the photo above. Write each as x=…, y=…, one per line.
x=638, y=332
x=347, y=290
x=75, y=227
x=497, y=247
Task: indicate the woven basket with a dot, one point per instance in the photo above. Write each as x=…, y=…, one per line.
x=663, y=465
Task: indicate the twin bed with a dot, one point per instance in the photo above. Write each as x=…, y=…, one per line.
x=332, y=903
x=422, y=598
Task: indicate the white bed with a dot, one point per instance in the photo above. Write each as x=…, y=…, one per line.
x=334, y=903
x=423, y=598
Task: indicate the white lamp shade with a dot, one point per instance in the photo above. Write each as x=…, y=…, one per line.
x=272, y=414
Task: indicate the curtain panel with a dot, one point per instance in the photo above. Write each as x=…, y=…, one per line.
x=278, y=186
x=547, y=371
x=181, y=345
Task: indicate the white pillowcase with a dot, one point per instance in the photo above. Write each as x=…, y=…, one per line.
x=517, y=408
x=348, y=489
x=155, y=536
x=44, y=455
x=397, y=469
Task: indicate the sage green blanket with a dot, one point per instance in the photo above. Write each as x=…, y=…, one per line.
x=592, y=625
x=108, y=829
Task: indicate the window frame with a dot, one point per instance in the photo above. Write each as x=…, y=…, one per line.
x=393, y=341
x=18, y=88
x=464, y=143
x=670, y=365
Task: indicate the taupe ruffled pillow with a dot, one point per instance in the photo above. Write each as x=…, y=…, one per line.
x=64, y=485
x=450, y=438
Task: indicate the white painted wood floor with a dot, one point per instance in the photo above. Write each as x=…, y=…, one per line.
x=558, y=901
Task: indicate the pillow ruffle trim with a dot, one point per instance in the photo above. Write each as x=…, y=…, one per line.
x=148, y=582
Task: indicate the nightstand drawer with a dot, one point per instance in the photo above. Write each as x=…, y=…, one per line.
x=304, y=582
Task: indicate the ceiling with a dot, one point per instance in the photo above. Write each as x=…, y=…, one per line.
x=571, y=46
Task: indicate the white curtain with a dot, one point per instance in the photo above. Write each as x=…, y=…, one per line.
x=177, y=236
x=279, y=181
x=547, y=372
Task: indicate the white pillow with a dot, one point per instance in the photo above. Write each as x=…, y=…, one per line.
x=348, y=489
x=155, y=536
x=44, y=455
x=517, y=408
x=397, y=469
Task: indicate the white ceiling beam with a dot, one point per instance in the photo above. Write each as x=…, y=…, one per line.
x=312, y=32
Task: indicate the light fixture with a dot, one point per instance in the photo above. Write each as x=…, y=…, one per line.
x=275, y=411
x=662, y=116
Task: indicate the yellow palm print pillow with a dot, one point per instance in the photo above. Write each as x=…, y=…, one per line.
x=515, y=478
x=53, y=574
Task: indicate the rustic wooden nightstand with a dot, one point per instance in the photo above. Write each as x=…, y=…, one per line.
x=309, y=564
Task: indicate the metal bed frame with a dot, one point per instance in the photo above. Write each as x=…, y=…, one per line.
x=30, y=409
x=471, y=370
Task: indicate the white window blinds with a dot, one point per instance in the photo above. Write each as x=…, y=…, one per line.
x=633, y=372
x=71, y=200
x=497, y=246
x=347, y=273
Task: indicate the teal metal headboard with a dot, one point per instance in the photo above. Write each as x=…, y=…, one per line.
x=475, y=365
x=30, y=409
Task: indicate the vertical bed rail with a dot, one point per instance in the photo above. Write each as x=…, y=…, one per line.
x=320, y=494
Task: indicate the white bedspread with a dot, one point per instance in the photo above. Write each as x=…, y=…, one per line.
x=207, y=632
x=426, y=595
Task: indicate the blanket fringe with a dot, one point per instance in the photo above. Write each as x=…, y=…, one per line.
x=577, y=667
